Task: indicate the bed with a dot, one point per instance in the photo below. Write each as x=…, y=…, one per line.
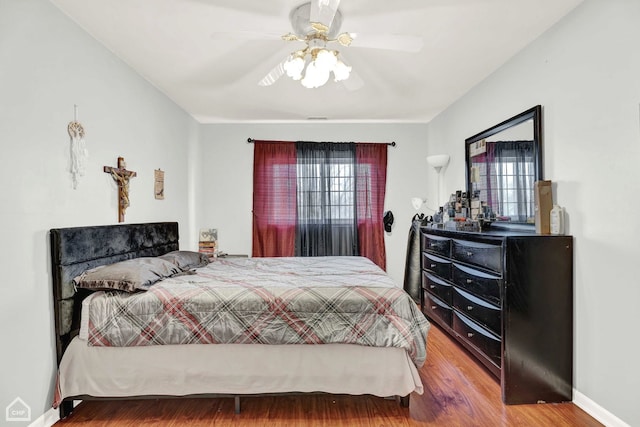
x=222, y=340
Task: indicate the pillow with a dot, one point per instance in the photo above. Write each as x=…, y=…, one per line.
x=186, y=260
x=129, y=276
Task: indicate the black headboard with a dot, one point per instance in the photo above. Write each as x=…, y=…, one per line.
x=76, y=249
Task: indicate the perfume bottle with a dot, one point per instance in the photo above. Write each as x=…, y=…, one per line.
x=556, y=220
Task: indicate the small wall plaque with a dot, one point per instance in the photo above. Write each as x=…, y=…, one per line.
x=158, y=184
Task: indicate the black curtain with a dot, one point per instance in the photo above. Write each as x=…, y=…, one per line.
x=326, y=202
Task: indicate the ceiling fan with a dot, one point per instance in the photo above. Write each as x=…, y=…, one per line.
x=317, y=24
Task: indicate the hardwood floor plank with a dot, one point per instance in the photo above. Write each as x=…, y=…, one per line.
x=458, y=392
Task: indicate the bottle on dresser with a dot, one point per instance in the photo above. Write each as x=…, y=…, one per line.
x=556, y=220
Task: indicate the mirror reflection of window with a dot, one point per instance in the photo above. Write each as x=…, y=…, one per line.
x=504, y=175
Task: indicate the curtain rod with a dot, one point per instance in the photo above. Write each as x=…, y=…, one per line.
x=392, y=143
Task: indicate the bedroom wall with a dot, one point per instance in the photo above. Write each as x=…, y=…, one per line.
x=585, y=72
x=228, y=164
x=48, y=64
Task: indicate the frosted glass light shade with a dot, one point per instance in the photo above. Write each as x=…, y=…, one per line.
x=326, y=60
x=294, y=67
x=438, y=161
x=341, y=71
x=314, y=76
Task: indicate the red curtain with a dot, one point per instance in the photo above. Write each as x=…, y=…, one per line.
x=371, y=181
x=274, y=198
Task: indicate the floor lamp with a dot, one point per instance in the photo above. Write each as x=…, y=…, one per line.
x=438, y=161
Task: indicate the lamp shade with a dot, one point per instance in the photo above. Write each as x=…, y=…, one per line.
x=438, y=161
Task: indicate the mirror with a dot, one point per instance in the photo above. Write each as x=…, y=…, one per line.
x=503, y=163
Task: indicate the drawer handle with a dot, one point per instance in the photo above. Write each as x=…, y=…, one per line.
x=469, y=307
x=470, y=334
x=433, y=307
x=433, y=265
x=469, y=253
x=432, y=286
x=469, y=281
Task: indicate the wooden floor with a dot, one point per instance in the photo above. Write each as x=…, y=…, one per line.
x=458, y=392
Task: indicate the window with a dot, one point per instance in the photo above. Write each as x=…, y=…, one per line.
x=315, y=199
x=326, y=191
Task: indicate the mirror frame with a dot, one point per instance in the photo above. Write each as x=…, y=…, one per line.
x=534, y=114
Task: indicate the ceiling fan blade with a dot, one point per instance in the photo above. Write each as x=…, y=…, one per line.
x=245, y=35
x=354, y=82
x=398, y=42
x=323, y=11
x=273, y=75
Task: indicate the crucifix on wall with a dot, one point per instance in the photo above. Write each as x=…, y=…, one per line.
x=121, y=176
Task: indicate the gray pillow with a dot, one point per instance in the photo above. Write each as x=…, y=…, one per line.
x=186, y=260
x=129, y=276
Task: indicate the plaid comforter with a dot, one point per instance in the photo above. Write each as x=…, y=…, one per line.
x=265, y=301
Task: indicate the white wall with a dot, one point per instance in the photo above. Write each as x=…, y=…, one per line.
x=228, y=166
x=48, y=64
x=585, y=72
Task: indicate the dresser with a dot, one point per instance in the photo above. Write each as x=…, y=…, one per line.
x=507, y=297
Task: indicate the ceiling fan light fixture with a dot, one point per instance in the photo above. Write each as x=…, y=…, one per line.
x=323, y=62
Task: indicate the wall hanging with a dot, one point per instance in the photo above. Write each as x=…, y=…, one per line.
x=78, y=149
x=158, y=184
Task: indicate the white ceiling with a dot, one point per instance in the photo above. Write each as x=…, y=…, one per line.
x=203, y=54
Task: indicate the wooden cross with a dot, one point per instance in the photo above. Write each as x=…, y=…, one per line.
x=121, y=176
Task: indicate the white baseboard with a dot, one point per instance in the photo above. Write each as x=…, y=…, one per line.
x=50, y=417
x=47, y=419
x=597, y=411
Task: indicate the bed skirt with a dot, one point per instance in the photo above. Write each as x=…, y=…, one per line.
x=234, y=369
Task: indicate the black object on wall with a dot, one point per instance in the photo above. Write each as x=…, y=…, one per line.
x=387, y=220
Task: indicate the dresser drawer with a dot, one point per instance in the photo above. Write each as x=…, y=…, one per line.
x=436, y=244
x=479, y=337
x=484, y=313
x=484, y=285
x=481, y=254
x=437, y=286
x=436, y=309
x=439, y=266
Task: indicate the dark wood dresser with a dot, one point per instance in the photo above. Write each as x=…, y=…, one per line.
x=507, y=297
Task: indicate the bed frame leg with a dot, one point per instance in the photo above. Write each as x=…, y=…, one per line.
x=404, y=400
x=66, y=408
x=237, y=404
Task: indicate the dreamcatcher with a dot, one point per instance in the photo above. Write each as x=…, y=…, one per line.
x=78, y=149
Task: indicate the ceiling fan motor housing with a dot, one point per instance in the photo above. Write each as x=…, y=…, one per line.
x=300, y=18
